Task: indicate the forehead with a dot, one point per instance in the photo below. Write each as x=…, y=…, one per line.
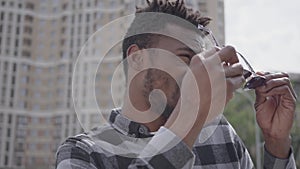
x=178, y=37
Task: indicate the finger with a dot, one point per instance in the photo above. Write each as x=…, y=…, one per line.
x=281, y=90
x=228, y=55
x=234, y=83
x=261, y=73
x=272, y=83
x=260, y=99
x=208, y=53
x=275, y=75
x=233, y=70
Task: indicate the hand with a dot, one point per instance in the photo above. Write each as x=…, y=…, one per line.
x=203, y=86
x=275, y=107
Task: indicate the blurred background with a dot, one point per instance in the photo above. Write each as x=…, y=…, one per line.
x=40, y=41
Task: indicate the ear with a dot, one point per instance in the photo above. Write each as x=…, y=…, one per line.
x=134, y=57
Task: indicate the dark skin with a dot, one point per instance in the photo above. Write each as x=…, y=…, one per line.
x=275, y=111
x=275, y=103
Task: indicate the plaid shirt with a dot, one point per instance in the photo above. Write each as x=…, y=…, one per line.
x=127, y=144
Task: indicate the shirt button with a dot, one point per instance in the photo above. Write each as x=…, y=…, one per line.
x=141, y=130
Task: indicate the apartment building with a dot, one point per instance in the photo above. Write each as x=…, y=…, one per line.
x=39, y=45
x=46, y=92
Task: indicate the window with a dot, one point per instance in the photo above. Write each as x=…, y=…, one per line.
x=37, y=95
x=65, y=6
x=12, y=93
x=1, y=120
x=27, y=42
x=17, y=30
x=53, y=44
x=7, y=146
x=41, y=46
x=6, y=157
x=13, y=80
x=19, y=161
x=35, y=120
x=58, y=119
x=14, y=67
x=5, y=66
x=42, y=23
x=79, y=19
x=51, y=70
x=21, y=105
x=54, y=10
x=16, y=43
x=28, y=30
x=26, y=53
x=25, y=80
x=62, y=68
x=33, y=133
x=28, y=18
x=8, y=132
x=50, y=95
x=10, y=16
x=88, y=17
x=22, y=120
x=38, y=70
x=2, y=16
x=8, y=39
x=21, y=132
x=9, y=119
x=32, y=146
x=38, y=81
x=64, y=18
x=48, y=121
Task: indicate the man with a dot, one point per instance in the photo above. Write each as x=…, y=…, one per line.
x=176, y=84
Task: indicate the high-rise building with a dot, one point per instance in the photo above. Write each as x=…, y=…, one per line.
x=211, y=8
x=39, y=45
x=215, y=10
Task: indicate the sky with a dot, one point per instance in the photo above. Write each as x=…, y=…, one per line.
x=266, y=32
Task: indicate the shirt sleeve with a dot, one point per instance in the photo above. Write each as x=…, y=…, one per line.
x=271, y=162
x=165, y=150
x=72, y=156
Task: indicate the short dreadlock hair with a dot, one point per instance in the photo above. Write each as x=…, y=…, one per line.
x=153, y=23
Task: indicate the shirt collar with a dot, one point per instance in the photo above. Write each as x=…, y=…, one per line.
x=127, y=126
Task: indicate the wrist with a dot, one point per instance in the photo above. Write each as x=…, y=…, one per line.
x=279, y=148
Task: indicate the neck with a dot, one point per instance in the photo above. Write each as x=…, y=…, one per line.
x=142, y=115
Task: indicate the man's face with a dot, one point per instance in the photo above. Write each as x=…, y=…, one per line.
x=174, y=56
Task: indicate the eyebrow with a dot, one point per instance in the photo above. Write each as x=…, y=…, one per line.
x=185, y=49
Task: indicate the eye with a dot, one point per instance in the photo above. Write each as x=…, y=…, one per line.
x=185, y=58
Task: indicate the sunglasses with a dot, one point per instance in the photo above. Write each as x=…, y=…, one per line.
x=253, y=80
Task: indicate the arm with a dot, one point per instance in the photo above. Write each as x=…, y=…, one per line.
x=165, y=150
x=275, y=110
x=171, y=146
x=213, y=77
x=272, y=162
x=201, y=88
x=70, y=156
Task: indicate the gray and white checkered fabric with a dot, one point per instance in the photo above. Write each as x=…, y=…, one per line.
x=127, y=144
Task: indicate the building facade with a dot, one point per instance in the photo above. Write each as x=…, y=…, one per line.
x=39, y=44
x=41, y=77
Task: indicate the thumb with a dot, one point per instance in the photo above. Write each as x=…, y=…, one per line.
x=260, y=99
